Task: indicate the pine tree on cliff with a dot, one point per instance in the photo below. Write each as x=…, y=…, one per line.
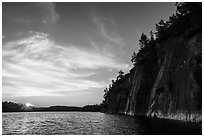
x=121, y=74
x=187, y=15
x=161, y=28
x=151, y=36
x=143, y=41
x=133, y=58
x=105, y=93
x=184, y=8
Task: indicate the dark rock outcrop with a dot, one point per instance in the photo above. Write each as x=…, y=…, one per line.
x=166, y=80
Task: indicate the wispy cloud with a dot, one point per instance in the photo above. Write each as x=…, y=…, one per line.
x=37, y=66
x=48, y=12
x=105, y=32
x=41, y=12
x=106, y=28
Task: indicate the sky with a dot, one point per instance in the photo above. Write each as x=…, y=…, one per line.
x=68, y=53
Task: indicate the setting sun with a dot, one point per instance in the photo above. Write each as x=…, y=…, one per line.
x=28, y=105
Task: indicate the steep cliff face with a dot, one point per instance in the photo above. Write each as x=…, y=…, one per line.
x=177, y=91
x=166, y=83
x=166, y=80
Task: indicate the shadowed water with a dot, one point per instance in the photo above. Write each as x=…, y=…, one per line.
x=91, y=123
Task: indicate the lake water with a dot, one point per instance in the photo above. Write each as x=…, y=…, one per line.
x=91, y=123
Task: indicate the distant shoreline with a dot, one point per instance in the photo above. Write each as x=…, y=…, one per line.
x=17, y=107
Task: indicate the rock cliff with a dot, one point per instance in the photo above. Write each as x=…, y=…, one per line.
x=166, y=80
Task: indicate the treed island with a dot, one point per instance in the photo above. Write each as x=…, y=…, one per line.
x=166, y=78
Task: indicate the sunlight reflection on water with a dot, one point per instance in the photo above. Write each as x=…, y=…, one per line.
x=67, y=123
x=91, y=123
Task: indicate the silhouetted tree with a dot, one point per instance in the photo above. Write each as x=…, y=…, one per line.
x=184, y=8
x=143, y=40
x=113, y=82
x=121, y=74
x=161, y=27
x=105, y=93
x=133, y=58
x=151, y=36
x=172, y=19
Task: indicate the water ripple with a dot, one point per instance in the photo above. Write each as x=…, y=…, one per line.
x=80, y=123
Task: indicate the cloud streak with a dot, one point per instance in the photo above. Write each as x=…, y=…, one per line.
x=105, y=32
x=40, y=12
x=48, y=12
x=37, y=66
x=110, y=35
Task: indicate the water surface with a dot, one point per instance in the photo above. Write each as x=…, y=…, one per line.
x=91, y=123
